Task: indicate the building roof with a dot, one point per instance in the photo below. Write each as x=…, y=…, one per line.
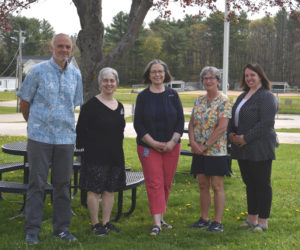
x=7, y=77
x=279, y=83
x=37, y=59
x=29, y=61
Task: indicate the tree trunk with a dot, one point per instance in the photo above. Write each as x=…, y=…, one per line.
x=90, y=39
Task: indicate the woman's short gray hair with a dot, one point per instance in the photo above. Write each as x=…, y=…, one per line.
x=106, y=71
x=210, y=69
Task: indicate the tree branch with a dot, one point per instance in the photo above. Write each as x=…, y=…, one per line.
x=138, y=11
x=7, y=7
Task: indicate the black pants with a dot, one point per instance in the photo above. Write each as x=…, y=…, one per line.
x=257, y=177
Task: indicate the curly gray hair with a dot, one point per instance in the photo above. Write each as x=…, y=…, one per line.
x=210, y=69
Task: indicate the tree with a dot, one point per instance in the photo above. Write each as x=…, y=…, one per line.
x=152, y=47
x=37, y=37
x=117, y=29
x=234, y=6
x=261, y=42
x=130, y=64
x=90, y=37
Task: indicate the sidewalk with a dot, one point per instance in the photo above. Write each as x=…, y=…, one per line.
x=14, y=124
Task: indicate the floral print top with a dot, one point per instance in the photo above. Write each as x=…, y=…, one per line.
x=53, y=95
x=206, y=117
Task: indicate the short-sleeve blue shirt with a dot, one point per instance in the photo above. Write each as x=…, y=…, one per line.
x=53, y=95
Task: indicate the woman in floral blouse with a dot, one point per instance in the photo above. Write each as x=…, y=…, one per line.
x=208, y=140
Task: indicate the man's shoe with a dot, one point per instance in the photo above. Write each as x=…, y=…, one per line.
x=99, y=229
x=32, y=239
x=215, y=227
x=201, y=223
x=110, y=227
x=66, y=236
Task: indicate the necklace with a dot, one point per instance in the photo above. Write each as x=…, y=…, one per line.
x=109, y=102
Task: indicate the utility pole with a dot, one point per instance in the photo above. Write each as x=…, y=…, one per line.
x=19, y=71
x=226, y=48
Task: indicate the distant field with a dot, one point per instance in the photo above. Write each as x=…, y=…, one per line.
x=7, y=96
x=289, y=103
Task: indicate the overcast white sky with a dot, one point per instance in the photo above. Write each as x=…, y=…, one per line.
x=62, y=14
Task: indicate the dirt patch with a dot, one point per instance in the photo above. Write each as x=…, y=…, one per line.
x=203, y=92
x=233, y=93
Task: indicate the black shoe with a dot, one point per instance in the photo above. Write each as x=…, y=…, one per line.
x=66, y=236
x=108, y=226
x=32, y=239
x=99, y=230
x=215, y=227
x=201, y=223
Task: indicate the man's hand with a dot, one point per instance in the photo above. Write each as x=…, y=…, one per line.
x=25, y=108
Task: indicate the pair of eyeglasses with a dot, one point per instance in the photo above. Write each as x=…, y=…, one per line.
x=106, y=80
x=154, y=72
x=209, y=78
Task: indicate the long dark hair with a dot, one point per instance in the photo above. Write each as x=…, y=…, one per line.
x=262, y=75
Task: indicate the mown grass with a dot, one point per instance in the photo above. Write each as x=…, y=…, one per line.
x=7, y=110
x=183, y=209
x=288, y=130
x=287, y=104
x=125, y=95
x=7, y=96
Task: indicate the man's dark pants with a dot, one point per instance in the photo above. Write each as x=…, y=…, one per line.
x=42, y=156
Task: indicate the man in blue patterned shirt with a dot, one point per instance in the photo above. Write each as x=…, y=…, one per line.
x=49, y=95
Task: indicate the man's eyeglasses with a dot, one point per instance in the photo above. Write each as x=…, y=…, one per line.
x=209, y=78
x=154, y=72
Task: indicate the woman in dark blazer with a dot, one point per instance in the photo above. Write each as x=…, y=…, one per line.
x=251, y=132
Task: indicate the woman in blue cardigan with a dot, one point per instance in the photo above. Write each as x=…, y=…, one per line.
x=159, y=124
x=251, y=132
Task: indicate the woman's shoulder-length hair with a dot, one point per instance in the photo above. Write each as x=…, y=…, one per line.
x=262, y=75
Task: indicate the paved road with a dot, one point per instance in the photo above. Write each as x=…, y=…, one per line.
x=13, y=124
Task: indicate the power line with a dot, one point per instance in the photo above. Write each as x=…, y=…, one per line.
x=10, y=63
x=13, y=73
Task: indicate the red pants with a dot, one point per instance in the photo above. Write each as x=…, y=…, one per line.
x=159, y=169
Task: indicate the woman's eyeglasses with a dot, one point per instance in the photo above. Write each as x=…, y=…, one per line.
x=209, y=78
x=154, y=72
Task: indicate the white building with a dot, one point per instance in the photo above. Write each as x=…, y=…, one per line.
x=29, y=61
x=280, y=87
x=8, y=83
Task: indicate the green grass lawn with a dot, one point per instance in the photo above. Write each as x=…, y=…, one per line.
x=287, y=104
x=289, y=130
x=7, y=96
x=7, y=110
x=183, y=210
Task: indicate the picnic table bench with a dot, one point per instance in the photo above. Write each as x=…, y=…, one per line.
x=8, y=167
x=133, y=179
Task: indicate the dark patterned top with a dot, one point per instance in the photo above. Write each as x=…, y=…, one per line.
x=100, y=131
x=256, y=123
x=156, y=110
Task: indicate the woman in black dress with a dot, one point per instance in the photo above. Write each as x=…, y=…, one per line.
x=100, y=131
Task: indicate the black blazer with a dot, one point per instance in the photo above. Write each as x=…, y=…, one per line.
x=256, y=123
